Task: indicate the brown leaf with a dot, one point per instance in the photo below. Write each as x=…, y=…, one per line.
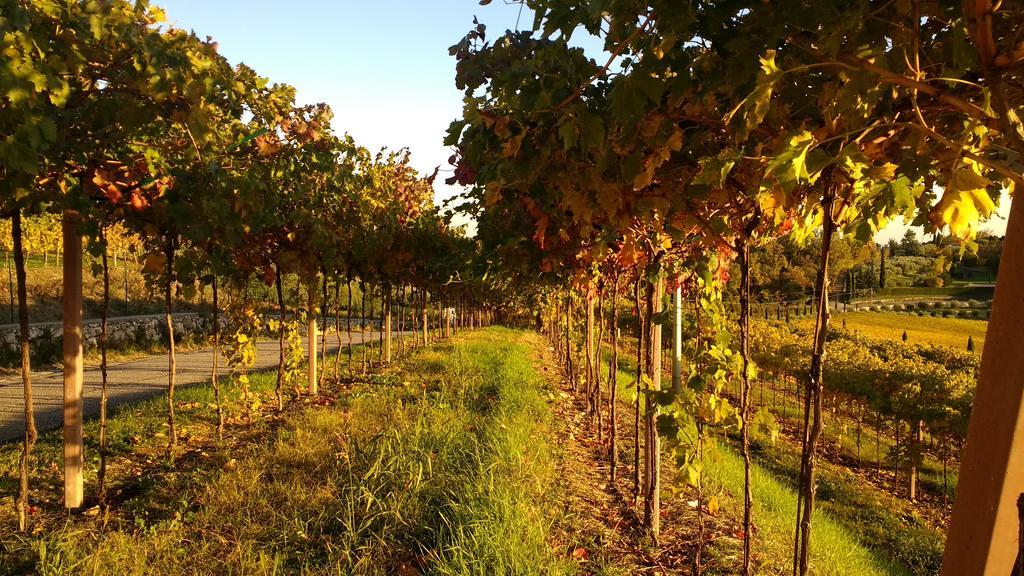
x=406, y=569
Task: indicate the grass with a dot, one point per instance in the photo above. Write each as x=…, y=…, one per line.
x=443, y=464
x=952, y=332
x=903, y=543
x=877, y=517
x=440, y=465
x=840, y=543
x=839, y=546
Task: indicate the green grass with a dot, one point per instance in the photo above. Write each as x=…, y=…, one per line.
x=840, y=544
x=443, y=465
x=952, y=332
x=901, y=541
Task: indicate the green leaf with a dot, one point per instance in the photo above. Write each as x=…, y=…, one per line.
x=790, y=167
x=714, y=171
x=249, y=138
x=567, y=132
x=649, y=86
x=592, y=130
x=60, y=90
x=667, y=426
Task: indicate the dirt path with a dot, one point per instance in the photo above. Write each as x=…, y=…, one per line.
x=600, y=524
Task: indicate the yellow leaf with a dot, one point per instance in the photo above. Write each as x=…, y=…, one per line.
x=965, y=202
x=510, y=149
x=774, y=201
x=885, y=172
x=675, y=140
x=155, y=263
x=645, y=177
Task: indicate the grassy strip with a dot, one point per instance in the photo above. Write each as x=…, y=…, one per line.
x=839, y=547
x=875, y=518
x=441, y=465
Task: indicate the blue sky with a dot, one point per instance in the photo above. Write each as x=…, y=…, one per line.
x=382, y=65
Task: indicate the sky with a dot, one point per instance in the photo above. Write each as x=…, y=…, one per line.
x=382, y=65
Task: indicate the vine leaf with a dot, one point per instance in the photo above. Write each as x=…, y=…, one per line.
x=965, y=201
x=791, y=166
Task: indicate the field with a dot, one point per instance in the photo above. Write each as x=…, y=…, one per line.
x=952, y=332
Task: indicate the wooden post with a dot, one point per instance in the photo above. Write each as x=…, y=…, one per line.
x=73, y=445
x=387, y=324
x=311, y=331
x=677, y=341
x=652, y=442
x=983, y=531
x=426, y=321
x=589, y=380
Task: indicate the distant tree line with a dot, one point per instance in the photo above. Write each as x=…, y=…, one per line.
x=782, y=270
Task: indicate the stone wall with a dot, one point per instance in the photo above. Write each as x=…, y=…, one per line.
x=129, y=332
x=123, y=332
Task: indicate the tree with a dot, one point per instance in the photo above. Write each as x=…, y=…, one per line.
x=881, y=268
x=910, y=245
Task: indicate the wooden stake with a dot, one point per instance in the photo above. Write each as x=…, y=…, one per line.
x=677, y=340
x=652, y=443
x=311, y=334
x=73, y=445
x=426, y=321
x=983, y=532
x=387, y=324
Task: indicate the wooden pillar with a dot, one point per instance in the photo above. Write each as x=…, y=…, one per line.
x=311, y=331
x=677, y=340
x=426, y=321
x=652, y=443
x=983, y=531
x=72, y=316
x=387, y=325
